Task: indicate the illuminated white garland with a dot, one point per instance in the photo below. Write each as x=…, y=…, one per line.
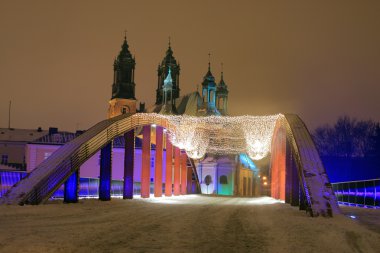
x=219, y=134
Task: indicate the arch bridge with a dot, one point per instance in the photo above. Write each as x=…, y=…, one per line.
x=296, y=171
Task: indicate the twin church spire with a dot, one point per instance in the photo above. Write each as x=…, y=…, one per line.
x=214, y=96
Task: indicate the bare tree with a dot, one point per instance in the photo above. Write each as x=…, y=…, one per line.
x=348, y=138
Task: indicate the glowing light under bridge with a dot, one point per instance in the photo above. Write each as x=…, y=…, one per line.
x=220, y=135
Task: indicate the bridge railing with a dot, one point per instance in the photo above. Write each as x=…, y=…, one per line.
x=8, y=179
x=365, y=193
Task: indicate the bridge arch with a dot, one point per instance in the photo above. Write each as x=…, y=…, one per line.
x=297, y=173
x=296, y=168
x=43, y=181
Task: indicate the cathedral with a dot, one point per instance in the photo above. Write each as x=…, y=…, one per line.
x=222, y=175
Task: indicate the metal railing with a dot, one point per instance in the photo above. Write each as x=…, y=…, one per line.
x=365, y=193
x=8, y=179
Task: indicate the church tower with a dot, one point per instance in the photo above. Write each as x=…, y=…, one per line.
x=168, y=106
x=123, y=88
x=222, y=96
x=208, y=106
x=163, y=69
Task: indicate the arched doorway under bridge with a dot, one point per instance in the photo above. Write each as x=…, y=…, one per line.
x=296, y=170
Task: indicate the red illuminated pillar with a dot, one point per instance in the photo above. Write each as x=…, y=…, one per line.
x=274, y=169
x=145, y=164
x=278, y=165
x=183, y=173
x=282, y=164
x=158, y=167
x=169, y=168
x=177, y=168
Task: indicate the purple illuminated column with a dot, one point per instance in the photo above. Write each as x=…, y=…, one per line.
x=71, y=188
x=129, y=153
x=105, y=172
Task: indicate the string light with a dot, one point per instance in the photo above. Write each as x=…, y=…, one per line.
x=218, y=134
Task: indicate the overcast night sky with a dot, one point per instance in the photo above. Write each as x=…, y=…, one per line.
x=319, y=60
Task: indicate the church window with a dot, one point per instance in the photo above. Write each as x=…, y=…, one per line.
x=208, y=180
x=223, y=179
x=212, y=95
x=4, y=159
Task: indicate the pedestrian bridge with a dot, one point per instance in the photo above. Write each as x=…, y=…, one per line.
x=297, y=173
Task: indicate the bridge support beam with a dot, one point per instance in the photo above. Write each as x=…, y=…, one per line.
x=302, y=198
x=183, y=173
x=177, y=171
x=292, y=178
x=288, y=176
x=105, y=172
x=145, y=164
x=158, y=161
x=169, y=168
x=278, y=165
x=129, y=154
x=189, y=180
x=71, y=188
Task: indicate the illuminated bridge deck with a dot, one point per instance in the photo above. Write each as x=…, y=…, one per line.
x=191, y=223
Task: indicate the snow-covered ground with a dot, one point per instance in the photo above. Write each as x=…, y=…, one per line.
x=182, y=224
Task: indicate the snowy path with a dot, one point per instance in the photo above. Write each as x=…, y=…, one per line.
x=178, y=224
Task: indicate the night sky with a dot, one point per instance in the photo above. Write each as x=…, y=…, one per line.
x=319, y=60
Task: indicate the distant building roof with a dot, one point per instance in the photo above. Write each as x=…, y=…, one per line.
x=58, y=138
x=187, y=104
x=61, y=138
x=21, y=135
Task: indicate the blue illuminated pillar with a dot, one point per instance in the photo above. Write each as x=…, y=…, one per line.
x=71, y=188
x=129, y=138
x=105, y=172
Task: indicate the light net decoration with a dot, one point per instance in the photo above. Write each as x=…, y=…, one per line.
x=219, y=134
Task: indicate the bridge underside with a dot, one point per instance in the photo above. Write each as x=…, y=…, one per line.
x=297, y=173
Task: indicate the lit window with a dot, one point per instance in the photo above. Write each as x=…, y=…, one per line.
x=4, y=159
x=223, y=179
x=212, y=96
x=46, y=155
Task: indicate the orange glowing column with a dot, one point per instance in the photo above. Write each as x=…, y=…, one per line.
x=274, y=169
x=183, y=173
x=145, y=164
x=278, y=172
x=158, y=167
x=282, y=165
x=169, y=168
x=177, y=171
